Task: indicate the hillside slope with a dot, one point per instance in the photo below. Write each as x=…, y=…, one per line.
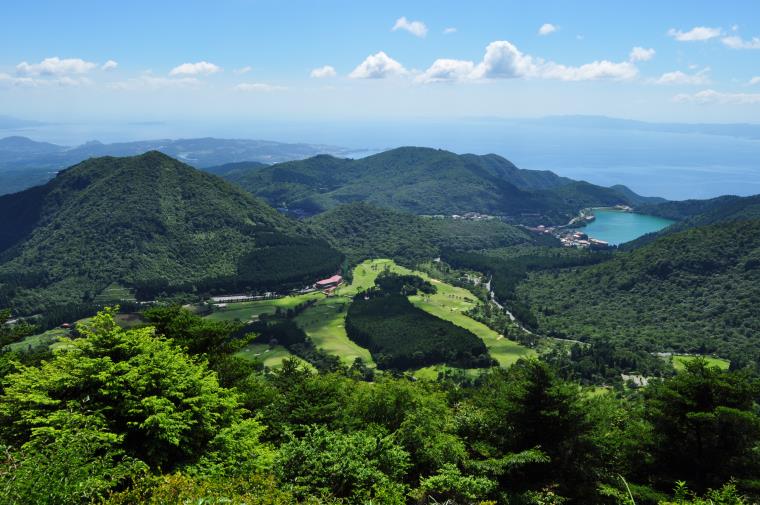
x=693, y=213
x=363, y=231
x=694, y=291
x=149, y=222
x=426, y=181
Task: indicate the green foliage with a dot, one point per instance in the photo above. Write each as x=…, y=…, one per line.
x=401, y=336
x=706, y=425
x=696, y=291
x=163, y=406
x=73, y=463
x=358, y=465
x=726, y=495
x=449, y=484
x=184, y=489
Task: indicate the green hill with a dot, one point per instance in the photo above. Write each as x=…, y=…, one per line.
x=425, y=181
x=693, y=213
x=151, y=223
x=695, y=291
x=364, y=231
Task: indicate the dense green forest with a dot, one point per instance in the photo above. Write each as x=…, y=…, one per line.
x=427, y=181
x=134, y=416
x=363, y=231
x=694, y=291
x=401, y=336
x=693, y=213
x=150, y=223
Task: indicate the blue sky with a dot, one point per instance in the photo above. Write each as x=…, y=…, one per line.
x=349, y=60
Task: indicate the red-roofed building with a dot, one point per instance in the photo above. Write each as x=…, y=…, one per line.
x=330, y=282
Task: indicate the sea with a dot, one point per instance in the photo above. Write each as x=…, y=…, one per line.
x=676, y=166
x=617, y=227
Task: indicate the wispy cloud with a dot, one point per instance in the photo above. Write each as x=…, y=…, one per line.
x=754, y=80
x=258, y=86
x=677, y=77
x=736, y=42
x=377, y=66
x=710, y=96
x=152, y=82
x=65, y=81
x=697, y=33
x=449, y=30
x=109, y=65
x=416, y=28
x=199, y=68
x=242, y=70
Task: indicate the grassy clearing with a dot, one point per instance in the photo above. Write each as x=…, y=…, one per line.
x=41, y=339
x=431, y=372
x=325, y=325
x=271, y=357
x=115, y=293
x=245, y=311
x=680, y=360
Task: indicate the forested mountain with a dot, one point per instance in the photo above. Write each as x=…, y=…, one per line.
x=364, y=231
x=151, y=223
x=427, y=181
x=25, y=162
x=697, y=291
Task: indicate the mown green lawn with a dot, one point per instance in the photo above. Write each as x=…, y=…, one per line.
x=325, y=325
x=680, y=360
x=272, y=357
x=246, y=311
x=46, y=338
x=449, y=303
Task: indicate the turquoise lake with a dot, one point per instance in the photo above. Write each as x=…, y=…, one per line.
x=617, y=227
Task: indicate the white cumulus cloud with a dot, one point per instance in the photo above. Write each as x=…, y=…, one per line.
x=258, y=86
x=503, y=60
x=710, y=96
x=416, y=28
x=55, y=66
x=736, y=42
x=641, y=54
x=695, y=34
x=447, y=70
x=377, y=66
x=547, y=28
x=754, y=80
x=677, y=77
x=109, y=65
x=322, y=72
x=199, y=68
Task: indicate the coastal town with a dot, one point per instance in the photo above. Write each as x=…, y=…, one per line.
x=570, y=236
